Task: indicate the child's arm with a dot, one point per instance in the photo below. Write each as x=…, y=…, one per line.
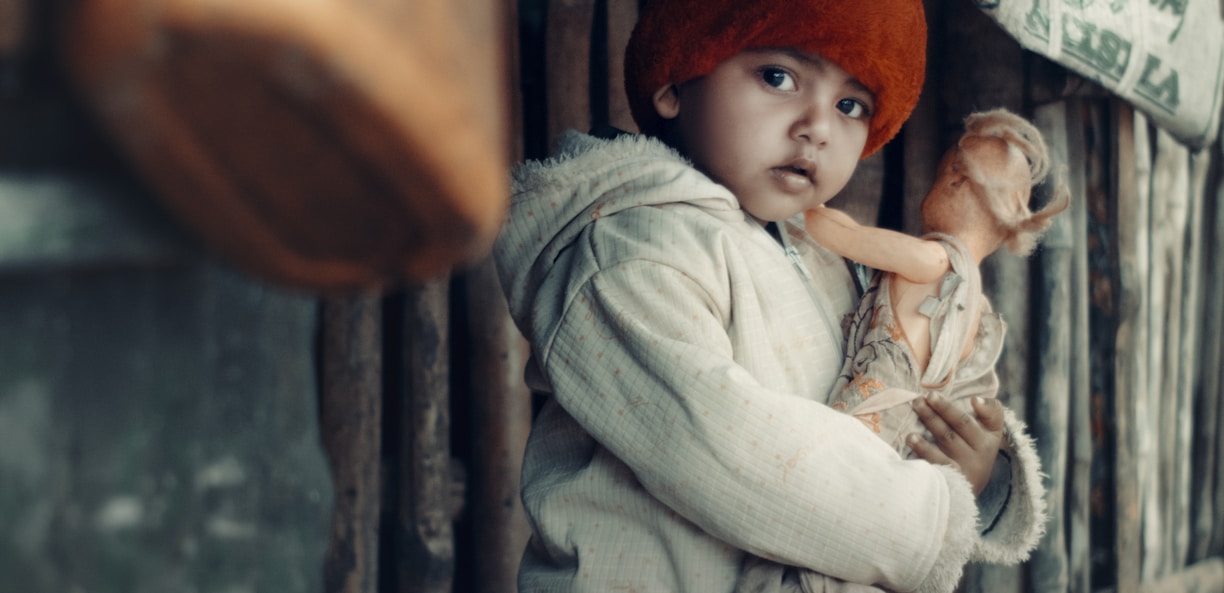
x=915, y=259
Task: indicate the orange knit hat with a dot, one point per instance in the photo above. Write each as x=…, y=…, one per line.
x=882, y=43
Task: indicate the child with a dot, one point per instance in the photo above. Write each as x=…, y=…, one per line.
x=685, y=325
x=924, y=328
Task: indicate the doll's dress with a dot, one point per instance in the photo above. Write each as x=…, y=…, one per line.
x=879, y=376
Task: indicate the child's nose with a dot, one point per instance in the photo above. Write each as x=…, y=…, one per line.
x=812, y=125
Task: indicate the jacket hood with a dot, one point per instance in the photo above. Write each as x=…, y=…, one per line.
x=587, y=179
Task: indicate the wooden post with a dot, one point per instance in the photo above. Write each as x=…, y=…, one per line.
x=1164, y=536
x=14, y=27
x=351, y=421
x=622, y=15
x=1132, y=270
x=924, y=133
x=1208, y=475
x=567, y=66
x=427, y=498
x=499, y=410
x=1203, y=577
x=496, y=406
x=1052, y=348
x=1083, y=438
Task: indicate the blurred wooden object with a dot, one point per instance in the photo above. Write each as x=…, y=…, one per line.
x=14, y=25
x=322, y=144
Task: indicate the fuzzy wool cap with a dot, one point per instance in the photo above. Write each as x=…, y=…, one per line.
x=882, y=43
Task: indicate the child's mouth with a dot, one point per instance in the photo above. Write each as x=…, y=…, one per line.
x=794, y=177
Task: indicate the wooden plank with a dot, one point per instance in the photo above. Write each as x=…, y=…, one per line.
x=1206, y=576
x=351, y=419
x=1217, y=534
x=567, y=47
x=496, y=407
x=1147, y=350
x=1052, y=342
x=1083, y=437
x=979, y=66
x=428, y=502
x=923, y=135
x=1208, y=534
x=1184, y=354
x=1204, y=374
x=499, y=410
x=1105, y=313
x=1129, y=380
x=515, y=140
x=622, y=14
x=15, y=27
x=1203, y=577
x=923, y=147
x=1165, y=504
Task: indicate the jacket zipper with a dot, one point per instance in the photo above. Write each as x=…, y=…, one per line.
x=792, y=253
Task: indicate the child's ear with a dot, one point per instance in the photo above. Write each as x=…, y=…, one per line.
x=667, y=101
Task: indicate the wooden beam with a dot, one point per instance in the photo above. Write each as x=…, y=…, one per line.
x=567, y=46
x=1052, y=349
x=1206, y=576
x=1129, y=380
x=1085, y=441
x=499, y=420
x=428, y=496
x=1203, y=577
x=622, y=15
x=351, y=422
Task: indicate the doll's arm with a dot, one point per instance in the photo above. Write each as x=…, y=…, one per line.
x=917, y=260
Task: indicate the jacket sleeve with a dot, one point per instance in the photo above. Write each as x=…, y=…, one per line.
x=1013, y=503
x=642, y=360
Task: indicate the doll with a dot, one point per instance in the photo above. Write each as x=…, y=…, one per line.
x=923, y=327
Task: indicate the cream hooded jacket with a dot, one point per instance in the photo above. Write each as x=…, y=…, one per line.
x=688, y=355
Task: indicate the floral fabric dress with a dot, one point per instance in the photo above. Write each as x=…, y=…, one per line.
x=880, y=375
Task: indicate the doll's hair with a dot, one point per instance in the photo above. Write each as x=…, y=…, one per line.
x=1022, y=227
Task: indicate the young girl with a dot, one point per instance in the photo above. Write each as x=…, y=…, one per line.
x=685, y=325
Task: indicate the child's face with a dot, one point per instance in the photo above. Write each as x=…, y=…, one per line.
x=781, y=129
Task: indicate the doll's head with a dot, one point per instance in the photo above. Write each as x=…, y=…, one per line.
x=881, y=43
x=984, y=185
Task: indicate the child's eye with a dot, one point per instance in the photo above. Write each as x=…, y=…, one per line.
x=853, y=108
x=778, y=78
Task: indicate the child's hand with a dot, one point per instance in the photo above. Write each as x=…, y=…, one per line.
x=964, y=442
